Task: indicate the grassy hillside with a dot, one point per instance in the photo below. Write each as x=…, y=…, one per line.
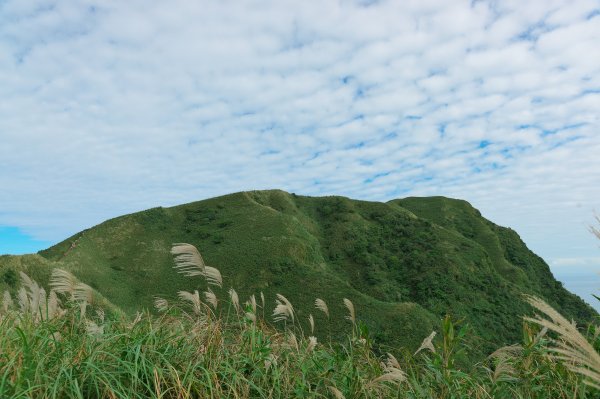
x=404, y=263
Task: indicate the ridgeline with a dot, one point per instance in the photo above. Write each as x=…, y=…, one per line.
x=405, y=263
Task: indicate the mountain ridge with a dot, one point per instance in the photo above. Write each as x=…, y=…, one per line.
x=405, y=263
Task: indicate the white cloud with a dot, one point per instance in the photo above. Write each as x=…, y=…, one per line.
x=119, y=106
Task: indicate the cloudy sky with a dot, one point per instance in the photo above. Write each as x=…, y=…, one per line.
x=112, y=107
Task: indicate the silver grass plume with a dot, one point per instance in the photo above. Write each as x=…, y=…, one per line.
x=322, y=306
x=84, y=293
x=40, y=302
x=393, y=370
x=281, y=312
x=235, y=299
x=336, y=392
x=287, y=303
x=572, y=348
x=211, y=298
x=283, y=309
x=213, y=276
x=350, y=306
x=136, y=320
x=100, y=314
x=507, y=351
x=293, y=341
x=188, y=260
x=271, y=360
x=53, y=304
x=63, y=282
x=391, y=361
x=251, y=316
x=28, y=282
x=83, y=308
x=193, y=299
x=391, y=373
x=311, y=321
x=161, y=304
x=7, y=302
x=504, y=358
x=33, y=293
x=312, y=344
x=252, y=303
x=23, y=300
x=427, y=343
x=93, y=329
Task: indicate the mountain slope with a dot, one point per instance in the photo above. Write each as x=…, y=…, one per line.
x=403, y=263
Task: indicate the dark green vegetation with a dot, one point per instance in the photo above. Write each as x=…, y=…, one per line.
x=404, y=263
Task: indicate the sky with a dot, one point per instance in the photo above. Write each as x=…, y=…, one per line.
x=113, y=107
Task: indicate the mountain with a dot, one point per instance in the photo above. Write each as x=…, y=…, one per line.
x=404, y=263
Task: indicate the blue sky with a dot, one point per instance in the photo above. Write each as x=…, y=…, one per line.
x=13, y=241
x=116, y=106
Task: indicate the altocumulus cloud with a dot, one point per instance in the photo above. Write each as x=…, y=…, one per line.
x=114, y=106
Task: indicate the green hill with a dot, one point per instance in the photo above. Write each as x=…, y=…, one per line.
x=404, y=263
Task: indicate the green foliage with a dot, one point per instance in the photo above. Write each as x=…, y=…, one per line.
x=9, y=277
x=405, y=263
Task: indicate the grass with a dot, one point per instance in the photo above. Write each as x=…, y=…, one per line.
x=69, y=343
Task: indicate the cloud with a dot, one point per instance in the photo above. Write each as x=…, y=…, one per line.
x=567, y=262
x=114, y=107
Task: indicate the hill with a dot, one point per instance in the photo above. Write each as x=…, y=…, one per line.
x=404, y=263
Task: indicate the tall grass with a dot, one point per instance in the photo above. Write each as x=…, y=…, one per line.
x=70, y=343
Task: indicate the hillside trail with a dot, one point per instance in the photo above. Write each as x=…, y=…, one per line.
x=72, y=247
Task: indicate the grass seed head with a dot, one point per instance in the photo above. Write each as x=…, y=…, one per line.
x=161, y=304
x=283, y=309
x=251, y=316
x=351, y=314
x=188, y=260
x=392, y=362
x=84, y=293
x=23, y=300
x=336, y=392
x=427, y=343
x=252, y=303
x=63, y=282
x=572, y=347
x=93, y=329
x=235, y=299
x=213, y=276
x=136, y=320
x=322, y=306
x=312, y=344
x=211, y=298
x=7, y=302
x=193, y=299
x=53, y=305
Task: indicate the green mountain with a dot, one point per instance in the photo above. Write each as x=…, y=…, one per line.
x=404, y=263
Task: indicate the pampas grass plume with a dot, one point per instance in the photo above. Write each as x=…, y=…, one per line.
x=322, y=306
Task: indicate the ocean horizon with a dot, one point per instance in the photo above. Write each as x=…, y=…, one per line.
x=583, y=282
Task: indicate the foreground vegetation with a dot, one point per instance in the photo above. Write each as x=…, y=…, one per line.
x=71, y=343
